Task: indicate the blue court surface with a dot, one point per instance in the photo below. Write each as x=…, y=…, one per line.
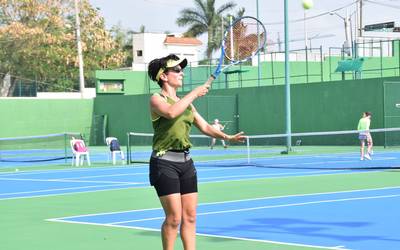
x=57, y=182
x=358, y=219
x=317, y=220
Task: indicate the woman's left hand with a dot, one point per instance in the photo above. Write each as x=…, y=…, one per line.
x=239, y=137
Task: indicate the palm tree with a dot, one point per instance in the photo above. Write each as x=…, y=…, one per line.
x=205, y=18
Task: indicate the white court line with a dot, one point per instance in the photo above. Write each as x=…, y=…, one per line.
x=267, y=207
x=328, y=173
x=147, y=185
x=116, y=224
x=81, y=192
x=106, y=175
x=258, y=208
x=324, y=162
x=304, y=173
x=201, y=234
x=65, y=180
x=380, y=158
x=63, y=219
x=64, y=189
x=246, y=200
x=45, y=171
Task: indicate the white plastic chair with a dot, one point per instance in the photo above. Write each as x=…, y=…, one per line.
x=113, y=153
x=78, y=156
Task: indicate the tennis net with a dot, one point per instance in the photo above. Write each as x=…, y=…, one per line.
x=39, y=148
x=315, y=150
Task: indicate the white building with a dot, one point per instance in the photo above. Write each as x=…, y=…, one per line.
x=147, y=46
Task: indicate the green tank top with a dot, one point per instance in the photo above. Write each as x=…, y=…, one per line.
x=172, y=134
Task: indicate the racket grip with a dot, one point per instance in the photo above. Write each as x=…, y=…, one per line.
x=210, y=80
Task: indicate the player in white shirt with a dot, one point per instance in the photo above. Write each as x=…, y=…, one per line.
x=219, y=127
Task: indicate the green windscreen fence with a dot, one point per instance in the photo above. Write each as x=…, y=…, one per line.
x=99, y=129
x=38, y=148
x=392, y=111
x=223, y=108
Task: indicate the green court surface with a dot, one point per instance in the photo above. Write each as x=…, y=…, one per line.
x=24, y=222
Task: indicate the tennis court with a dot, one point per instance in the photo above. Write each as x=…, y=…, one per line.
x=305, y=116
x=300, y=201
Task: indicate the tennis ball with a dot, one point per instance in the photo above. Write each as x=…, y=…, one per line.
x=16, y=170
x=307, y=4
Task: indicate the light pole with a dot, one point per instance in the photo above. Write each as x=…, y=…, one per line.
x=258, y=44
x=305, y=30
x=79, y=47
x=287, y=79
x=347, y=30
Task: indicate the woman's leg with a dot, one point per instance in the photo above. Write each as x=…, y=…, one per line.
x=362, y=143
x=223, y=143
x=213, y=140
x=188, y=225
x=370, y=144
x=173, y=213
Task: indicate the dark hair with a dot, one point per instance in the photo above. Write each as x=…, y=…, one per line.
x=368, y=113
x=157, y=64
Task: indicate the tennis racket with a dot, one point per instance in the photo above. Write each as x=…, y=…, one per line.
x=243, y=39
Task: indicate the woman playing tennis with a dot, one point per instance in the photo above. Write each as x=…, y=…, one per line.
x=172, y=172
x=365, y=136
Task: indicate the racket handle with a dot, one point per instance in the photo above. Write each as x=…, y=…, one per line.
x=210, y=80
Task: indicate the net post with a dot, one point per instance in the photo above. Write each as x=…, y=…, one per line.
x=128, y=150
x=65, y=147
x=248, y=149
x=105, y=125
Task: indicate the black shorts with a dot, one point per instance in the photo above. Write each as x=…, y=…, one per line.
x=169, y=177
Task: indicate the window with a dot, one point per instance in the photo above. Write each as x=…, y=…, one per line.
x=111, y=86
x=139, y=52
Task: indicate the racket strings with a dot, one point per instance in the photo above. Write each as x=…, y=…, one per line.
x=243, y=39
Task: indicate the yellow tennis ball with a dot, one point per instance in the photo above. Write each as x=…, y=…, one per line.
x=307, y=4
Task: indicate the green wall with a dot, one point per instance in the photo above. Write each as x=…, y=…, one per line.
x=135, y=82
x=315, y=107
x=129, y=113
x=27, y=117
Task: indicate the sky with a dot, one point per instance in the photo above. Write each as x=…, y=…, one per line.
x=321, y=27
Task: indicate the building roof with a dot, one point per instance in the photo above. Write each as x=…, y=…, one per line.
x=182, y=40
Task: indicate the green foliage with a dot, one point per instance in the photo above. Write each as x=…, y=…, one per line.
x=205, y=18
x=38, y=42
x=124, y=40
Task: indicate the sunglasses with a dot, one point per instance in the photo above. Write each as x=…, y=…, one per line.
x=175, y=69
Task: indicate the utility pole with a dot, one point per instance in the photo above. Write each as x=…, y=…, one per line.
x=305, y=30
x=360, y=18
x=287, y=79
x=79, y=47
x=279, y=42
x=258, y=44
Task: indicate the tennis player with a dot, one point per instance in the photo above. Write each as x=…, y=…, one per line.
x=365, y=136
x=172, y=172
x=217, y=125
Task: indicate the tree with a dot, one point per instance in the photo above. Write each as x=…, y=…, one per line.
x=205, y=18
x=37, y=41
x=123, y=38
x=142, y=29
